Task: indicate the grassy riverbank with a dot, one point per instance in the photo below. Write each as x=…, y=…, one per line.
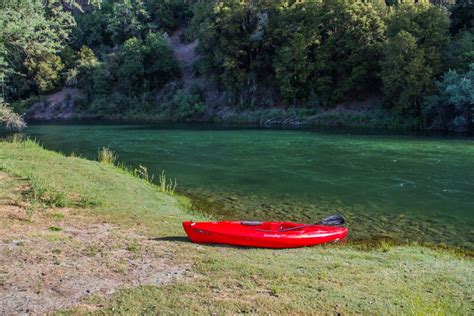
x=59, y=211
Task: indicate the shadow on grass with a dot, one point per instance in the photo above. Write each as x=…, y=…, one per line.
x=172, y=238
x=183, y=239
x=187, y=240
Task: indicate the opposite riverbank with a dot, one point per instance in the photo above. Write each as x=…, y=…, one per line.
x=67, y=104
x=83, y=236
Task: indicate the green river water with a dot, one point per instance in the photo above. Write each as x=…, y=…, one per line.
x=397, y=187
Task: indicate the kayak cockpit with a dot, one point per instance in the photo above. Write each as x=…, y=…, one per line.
x=273, y=226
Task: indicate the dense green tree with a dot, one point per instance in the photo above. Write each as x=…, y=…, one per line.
x=300, y=43
x=131, y=71
x=33, y=33
x=45, y=72
x=200, y=11
x=127, y=19
x=460, y=53
x=234, y=45
x=417, y=36
x=428, y=24
x=462, y=15
x=352, y=33
x=85, y=64
x=159, y=61
x=167, y=15
x=405, y=76
x=336, y=59
x=91, y=30
x=265, y=52
x=146, y=65
x=325, y=47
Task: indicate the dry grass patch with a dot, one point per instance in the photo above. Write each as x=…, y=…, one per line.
x=62, y=257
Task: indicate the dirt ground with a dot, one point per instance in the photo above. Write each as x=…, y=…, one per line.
x=60, y=258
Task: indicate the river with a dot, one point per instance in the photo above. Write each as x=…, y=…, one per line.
x=397, y=187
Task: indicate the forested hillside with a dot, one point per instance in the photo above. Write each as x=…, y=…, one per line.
x=414, y=58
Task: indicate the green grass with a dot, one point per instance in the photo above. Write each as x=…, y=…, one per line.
x=344, y=278
x=97, y=188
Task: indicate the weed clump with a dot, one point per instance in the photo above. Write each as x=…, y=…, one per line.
x=89, y=202
x=55, y=229
x=43, y=196
x=133, y=247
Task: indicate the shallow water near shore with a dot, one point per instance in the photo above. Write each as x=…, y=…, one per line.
x=399, y=187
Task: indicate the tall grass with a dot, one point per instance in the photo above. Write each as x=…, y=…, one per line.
x=142, y=173
x=166, y=184
x=107, y=156
x=23, y=140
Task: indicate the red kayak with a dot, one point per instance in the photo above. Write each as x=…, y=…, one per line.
x=263, y=234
